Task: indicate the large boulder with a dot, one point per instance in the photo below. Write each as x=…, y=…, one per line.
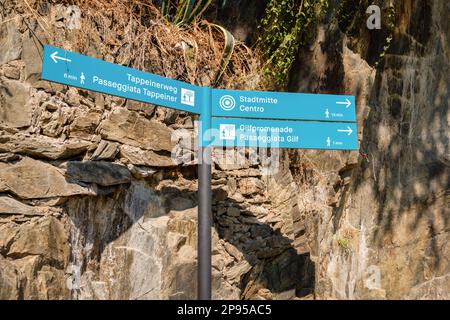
x=42, y=146
x=141, y=157
x=10, y=41
x=46, y=238
x=100, y=172
x=15, y=112
x=33, y=179
x=85, y=122
x=44, y=282
x=32, y=54
x=11, y=281
x=251, y=186
x=10, y=205
x=105, y=151
x=230, y=159
x=129, y=127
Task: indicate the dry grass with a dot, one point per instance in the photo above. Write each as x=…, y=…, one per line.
x=133, y=33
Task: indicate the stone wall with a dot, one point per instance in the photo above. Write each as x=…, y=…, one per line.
x=385, y=235
x=92, y=205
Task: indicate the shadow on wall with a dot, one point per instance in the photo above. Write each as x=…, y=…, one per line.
x=274, y=263
x=406, y=137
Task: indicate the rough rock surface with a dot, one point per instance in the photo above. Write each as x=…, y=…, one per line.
x=94, y=206
x=129, y=128
x=14, y=97
x=385, y=233
x=33, y=179
x=99, y=172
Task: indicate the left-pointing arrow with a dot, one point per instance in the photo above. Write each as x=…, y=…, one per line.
x=348, y=130
x=56, y=58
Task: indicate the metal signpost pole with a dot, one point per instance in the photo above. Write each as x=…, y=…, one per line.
x=205, y=198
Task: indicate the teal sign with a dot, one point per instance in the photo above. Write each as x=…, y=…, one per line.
x=282, y=105
x=84, y=72
x=231, y=118
x=284, y=134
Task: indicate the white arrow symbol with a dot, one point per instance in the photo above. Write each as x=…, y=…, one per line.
x=349, y=131
x=54, y=57
x=347, y=103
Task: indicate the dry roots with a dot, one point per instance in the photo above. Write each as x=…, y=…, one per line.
x=133, y=33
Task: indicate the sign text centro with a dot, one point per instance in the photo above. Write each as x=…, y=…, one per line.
x=282, y=105
x=81, y=71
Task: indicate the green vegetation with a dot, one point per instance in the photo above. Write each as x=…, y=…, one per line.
x=181, y=12
x=227, y=52
x=286, y=26
x=184, y=12
x=344, y=244
x=390, y=24
x=349, y=13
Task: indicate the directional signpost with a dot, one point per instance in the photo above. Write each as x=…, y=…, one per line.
x=282, y=105
x=229, y=118
x=81, y=71
x=237, y=120
x=284, y=134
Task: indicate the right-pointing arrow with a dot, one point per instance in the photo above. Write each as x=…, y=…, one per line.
x=347, y=103
x=348, y=130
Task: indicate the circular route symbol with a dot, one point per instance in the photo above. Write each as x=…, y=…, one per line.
x=227, y=103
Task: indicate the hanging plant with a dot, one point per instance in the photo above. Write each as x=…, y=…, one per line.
x=287, y=25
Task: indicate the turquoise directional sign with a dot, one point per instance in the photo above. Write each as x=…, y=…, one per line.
x=284, y=134
x=81, y=71
x=239, y=118
x=282, y=105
